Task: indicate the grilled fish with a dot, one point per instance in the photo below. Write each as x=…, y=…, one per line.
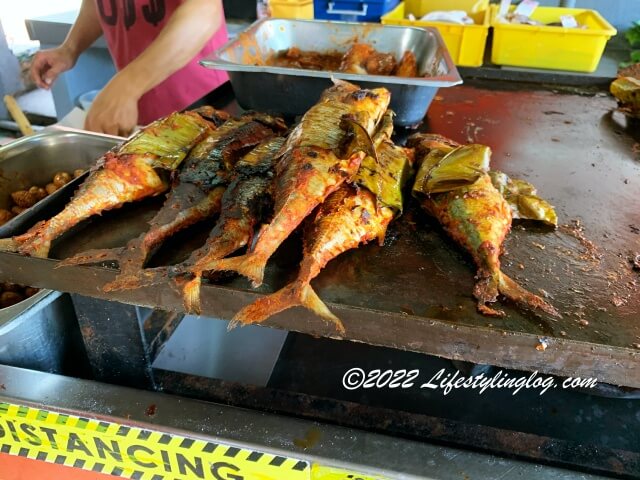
x=131, y=172
x=195, y=195
x=244, y=204
x=478, y=218
x=319, y=156
x=349, y=217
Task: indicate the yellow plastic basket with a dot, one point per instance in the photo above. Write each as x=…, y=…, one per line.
x=555, y=48
x=291, y=8
x=466, y=43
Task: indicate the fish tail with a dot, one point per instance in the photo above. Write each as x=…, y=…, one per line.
x=91, y=256
x=191, y=295
x=8, y=245
x=295, y=294
x=250, y=265
x=510, y=289
x=486, y=291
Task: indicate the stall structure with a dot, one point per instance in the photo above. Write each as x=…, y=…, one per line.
x=576, y=148
x=412, y=294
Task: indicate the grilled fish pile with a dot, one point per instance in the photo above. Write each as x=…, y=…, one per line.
x=138, y=169
x=337, y=174
x=321, y=154
x=196, y=194
x=354, y=214
x=454, y=185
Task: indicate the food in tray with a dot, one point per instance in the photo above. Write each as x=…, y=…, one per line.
x=354, y=214
x=24, y=199
x=323, y=152
x=195, y=195
x=475, y=213
x=361, y=58
x=138, y=169
x=10, y=294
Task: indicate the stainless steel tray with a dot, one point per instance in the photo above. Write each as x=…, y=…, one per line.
x=292, y=91
x=34, y=160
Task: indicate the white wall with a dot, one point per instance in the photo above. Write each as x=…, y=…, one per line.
x=14, y=12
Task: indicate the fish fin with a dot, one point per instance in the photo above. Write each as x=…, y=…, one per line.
x=34, y=242
x=8, y=245
x=488, y=311
x=294, y=294
x=92, y=256
x=191, y=295
x=250, y=265
x=510, y=289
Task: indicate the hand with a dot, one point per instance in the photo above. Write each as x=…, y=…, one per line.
x=114, y=111
x=48, y=64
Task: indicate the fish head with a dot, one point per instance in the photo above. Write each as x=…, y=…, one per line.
x=371, y=106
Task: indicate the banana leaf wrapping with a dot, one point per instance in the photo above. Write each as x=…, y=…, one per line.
x=446, y=169
x=386, y=174
x=449, y=168
x=523, y=199
x=627, y=92
x=169, y=139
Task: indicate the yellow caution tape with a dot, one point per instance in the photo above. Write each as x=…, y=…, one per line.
x=133, y=452
x=140, y=454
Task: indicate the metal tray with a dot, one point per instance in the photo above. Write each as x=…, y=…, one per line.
x=35, y=159
x=292, y=91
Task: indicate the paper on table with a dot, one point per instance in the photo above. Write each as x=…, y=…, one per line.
x=504, y=7
x=73, y=119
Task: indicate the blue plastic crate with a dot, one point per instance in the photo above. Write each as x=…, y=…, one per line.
x=363, y=11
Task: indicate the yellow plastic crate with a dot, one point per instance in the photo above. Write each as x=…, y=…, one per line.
x=466, y=43
x=556, y=48
x=302, y=9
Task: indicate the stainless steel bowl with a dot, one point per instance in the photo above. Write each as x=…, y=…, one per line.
x=35, y=159
x=292, y=91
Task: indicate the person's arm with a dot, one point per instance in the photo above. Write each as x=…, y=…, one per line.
x=48, y=64
x=192, y=24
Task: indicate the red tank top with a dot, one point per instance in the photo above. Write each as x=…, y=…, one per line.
x=129, y=27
